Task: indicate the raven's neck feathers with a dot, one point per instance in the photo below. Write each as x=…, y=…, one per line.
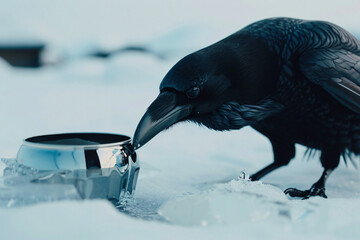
x=233, y=115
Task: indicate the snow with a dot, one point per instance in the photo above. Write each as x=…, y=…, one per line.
x=188, y=184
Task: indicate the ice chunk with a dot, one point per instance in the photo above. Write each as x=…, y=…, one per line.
x=17, y=187
x=22, y=185
x=13, y=168
x=238, y=201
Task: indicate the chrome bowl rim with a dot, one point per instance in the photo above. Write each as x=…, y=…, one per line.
x=27, y=142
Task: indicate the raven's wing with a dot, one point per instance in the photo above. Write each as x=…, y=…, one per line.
x=337, y=71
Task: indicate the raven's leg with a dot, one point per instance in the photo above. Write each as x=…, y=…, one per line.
x=329, y=160
x=283, y=153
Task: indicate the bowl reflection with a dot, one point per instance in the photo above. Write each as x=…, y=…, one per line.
x=99, y=165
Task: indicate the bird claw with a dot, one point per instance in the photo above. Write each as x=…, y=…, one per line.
x=313, y=191
x=293, y=192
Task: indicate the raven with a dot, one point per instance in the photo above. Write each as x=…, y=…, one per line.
x=292, y=80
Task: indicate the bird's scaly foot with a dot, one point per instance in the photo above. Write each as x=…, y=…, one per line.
x=313, y=191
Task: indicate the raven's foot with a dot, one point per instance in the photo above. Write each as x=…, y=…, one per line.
x=313, y=191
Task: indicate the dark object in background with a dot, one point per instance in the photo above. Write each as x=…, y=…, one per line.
x=28, y=55
x=106, y=54
x=294, y=81
x=22, y=55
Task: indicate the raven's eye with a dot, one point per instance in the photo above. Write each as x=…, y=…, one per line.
x=193, y=92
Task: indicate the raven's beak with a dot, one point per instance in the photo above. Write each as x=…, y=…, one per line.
x=169, y=114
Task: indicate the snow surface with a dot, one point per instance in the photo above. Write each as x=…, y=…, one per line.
x=188, y=185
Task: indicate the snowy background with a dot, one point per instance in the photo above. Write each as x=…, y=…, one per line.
x=188, y=186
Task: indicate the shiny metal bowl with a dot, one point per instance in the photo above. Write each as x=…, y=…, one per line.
x=100, y=165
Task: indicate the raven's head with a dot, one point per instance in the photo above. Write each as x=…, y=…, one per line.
x=191, y=89
x=207, y=87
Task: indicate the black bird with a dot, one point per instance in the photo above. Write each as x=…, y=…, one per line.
x=294, y=81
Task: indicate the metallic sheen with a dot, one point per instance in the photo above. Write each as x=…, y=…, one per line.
x=98, y=164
